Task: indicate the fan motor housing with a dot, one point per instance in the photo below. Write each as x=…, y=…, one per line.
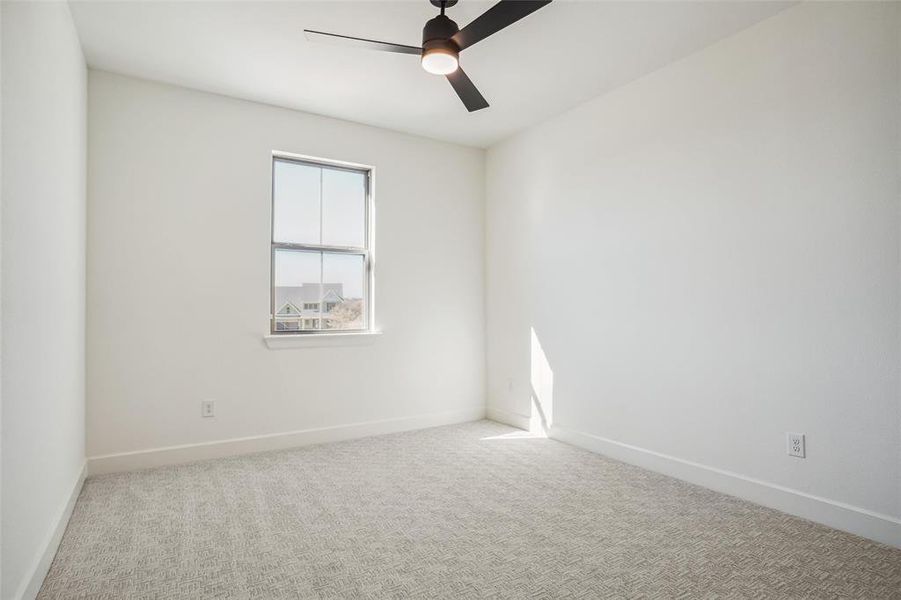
x=439, y=29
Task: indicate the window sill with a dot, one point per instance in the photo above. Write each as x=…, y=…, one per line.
x=312, y=340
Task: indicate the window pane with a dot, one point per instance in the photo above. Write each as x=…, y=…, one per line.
x=295, y=192
x=298, y=295
x=343, y=208
x=343, y=279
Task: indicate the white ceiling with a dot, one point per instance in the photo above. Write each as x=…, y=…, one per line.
x=554, y=59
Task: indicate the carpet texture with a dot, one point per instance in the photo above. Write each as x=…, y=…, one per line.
x=466, y=511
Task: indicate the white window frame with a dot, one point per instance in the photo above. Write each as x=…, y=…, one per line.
x=366, y=250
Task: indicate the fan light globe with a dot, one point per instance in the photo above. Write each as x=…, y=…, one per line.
x=439, y=62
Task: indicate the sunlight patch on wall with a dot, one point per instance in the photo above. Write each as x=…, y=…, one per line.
x=542, y=380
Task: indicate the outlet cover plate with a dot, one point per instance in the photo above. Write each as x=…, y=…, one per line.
x=796, y=445
x=207, y=408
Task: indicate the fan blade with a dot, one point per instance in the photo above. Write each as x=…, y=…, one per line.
x=466, y=89
x=321, y=36
x=502, y=14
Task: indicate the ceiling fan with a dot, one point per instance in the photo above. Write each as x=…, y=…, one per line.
x=443, y=40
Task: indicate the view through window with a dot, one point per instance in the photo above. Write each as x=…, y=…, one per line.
x=320, y=247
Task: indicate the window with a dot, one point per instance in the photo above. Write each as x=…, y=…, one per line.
x=321, y=258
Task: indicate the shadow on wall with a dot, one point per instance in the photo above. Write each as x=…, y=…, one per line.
x=542, y=386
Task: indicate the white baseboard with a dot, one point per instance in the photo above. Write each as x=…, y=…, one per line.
x=171, y=455
x=32, y=584
x=853, y=519
x=508, y=418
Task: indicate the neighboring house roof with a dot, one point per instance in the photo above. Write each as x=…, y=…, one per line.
x=288, y=308
x=297, y=296
x=332, y=296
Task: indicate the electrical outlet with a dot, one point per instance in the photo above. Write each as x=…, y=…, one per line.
x=796, y=444
x=207, y=408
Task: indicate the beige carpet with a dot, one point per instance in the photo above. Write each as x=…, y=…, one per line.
x=468, y=511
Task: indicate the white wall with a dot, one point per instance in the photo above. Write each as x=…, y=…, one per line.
x=178, y=274
x=1, y=304
x=709, y=257
x=43, y=288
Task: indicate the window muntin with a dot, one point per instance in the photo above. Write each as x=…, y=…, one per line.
x=321, y=258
